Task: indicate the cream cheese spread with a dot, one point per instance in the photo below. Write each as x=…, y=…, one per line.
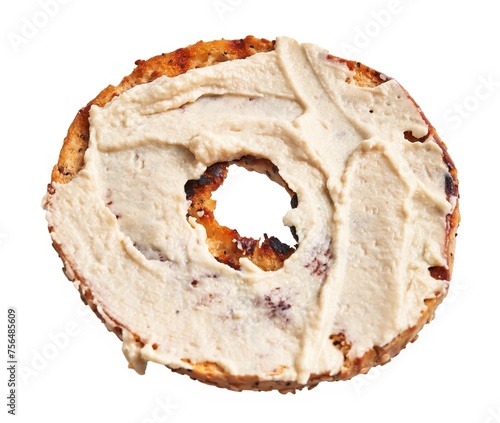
x=371, y=215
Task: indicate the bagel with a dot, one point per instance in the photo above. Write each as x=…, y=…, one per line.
x=374, y=212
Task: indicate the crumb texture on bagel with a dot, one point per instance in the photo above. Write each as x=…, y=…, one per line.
x=374, y=215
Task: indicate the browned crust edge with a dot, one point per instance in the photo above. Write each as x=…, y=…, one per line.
x=171, y=64
x=226, y=244
x=71, y=161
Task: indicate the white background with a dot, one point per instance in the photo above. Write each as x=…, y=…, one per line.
x=71, y=369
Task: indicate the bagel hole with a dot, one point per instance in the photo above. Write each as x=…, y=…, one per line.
x=241, y=204
x=252, y=204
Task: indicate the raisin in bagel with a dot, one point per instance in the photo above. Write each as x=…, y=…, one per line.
x=374, y=212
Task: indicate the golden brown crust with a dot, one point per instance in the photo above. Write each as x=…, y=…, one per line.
x=213, y=374
x=201, y=54
x=226, y=244
x=171, y=64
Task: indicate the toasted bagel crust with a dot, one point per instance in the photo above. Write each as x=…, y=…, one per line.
x=171, y=64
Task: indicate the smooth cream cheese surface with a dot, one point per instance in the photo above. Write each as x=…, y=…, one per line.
x=371, y=215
